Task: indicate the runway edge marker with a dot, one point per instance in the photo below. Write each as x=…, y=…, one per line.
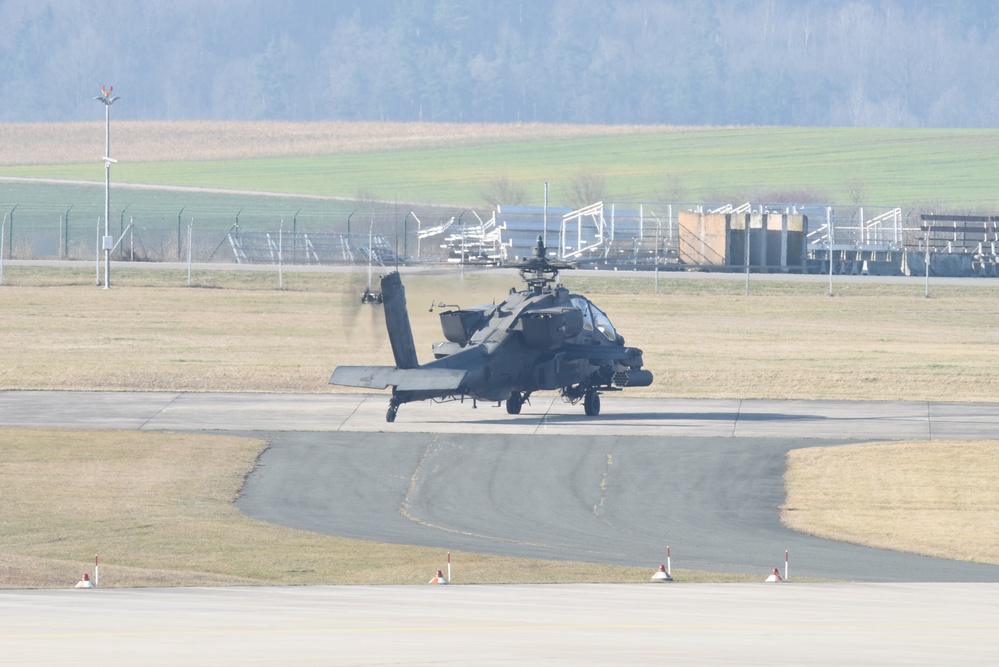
x=664, y=572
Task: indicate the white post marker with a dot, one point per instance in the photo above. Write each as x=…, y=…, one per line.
x=669, y=566
x=190, y=235
x=3, y=230
x=775, y=575
x=449, y=567
x=663, y=573
x=97, y=572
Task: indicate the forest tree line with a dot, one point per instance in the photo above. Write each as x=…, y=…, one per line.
x=892, y=63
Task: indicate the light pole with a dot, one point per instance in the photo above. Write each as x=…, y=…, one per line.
x=106, y=98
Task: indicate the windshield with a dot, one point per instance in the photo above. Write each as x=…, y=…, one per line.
x=603, y=323
x=594, y=318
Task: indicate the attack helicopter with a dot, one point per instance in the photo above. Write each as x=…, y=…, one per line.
x=542, y=337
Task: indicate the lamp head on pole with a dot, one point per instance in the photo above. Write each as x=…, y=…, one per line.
x=106, y=96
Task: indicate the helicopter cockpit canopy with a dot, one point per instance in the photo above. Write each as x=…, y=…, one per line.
x=594, y=318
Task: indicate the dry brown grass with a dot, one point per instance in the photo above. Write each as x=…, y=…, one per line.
x=158, y=510
x=699, y=342
x=939, y=498
x=153, y=141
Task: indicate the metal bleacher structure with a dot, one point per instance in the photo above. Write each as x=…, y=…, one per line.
x=596, y=234
x=956, y=245
x=942, y=245
x=857, y=244
x=648, y=235
x=599, y=234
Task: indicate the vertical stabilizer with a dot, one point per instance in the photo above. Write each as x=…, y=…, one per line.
x=397, y=321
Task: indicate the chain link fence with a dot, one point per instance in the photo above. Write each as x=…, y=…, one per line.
x=764, y=242
x=151, y=233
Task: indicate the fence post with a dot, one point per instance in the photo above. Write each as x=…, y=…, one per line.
x=829, y=230
x=10, y=234
x=3, y=227
x=97, y=274
x=179, y=243
x=747, y=226
x=121, y=228
x=190, y=234
x=926, y=264
x=658, y=225
x=294, y=235
x=64, y=237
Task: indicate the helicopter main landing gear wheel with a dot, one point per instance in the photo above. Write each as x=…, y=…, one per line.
x=514, y=403
x=591, y=403
x=393, y=408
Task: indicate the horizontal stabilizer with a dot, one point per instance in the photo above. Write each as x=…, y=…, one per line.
x=403, y=379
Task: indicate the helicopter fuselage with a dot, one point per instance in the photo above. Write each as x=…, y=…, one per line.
x=530, y=342
x=540, y=338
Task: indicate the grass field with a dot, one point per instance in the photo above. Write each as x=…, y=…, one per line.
x=943, y=170
x=940, y=499
x=702, y=338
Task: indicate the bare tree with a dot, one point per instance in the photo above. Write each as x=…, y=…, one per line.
x=586, y=187
x=500, y=191
x=856, y=188
x=672, y=188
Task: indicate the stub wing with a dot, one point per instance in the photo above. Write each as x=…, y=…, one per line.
x=403, y=379
x=626, y=355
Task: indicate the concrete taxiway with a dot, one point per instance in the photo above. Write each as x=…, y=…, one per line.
x=546, y=415
x=710, y=624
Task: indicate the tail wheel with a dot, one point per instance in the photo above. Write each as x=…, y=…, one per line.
x=514, y=403
x=591, y=403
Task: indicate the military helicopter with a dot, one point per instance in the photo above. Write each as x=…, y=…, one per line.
x=540, y=338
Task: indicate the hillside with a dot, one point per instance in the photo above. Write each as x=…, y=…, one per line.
x=873, y=63
x=461, y=164
x=160, y=141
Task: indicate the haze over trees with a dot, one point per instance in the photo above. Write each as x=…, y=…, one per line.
x=892, y=63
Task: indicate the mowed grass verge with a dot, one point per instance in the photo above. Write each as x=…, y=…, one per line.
x=702, y=338
x=938, y=499
x=158, y=510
